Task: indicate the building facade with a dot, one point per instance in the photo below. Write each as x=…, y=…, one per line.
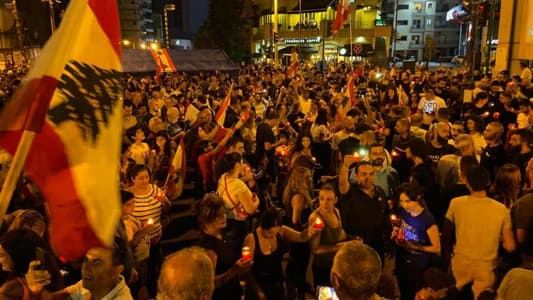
x=309, y=29
x=136, y=22
x=416, y=22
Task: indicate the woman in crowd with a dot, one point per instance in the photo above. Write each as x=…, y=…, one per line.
x=239, y=200
x=149, y=203
x=417, y=237
x=302, y=150
x=328, y=241
x=475, y=127
x=267, y=244
x=17, y=249
x=506, y=186
x=228, y=263
x=297, y=201
x=321, y=147
x=161, y=157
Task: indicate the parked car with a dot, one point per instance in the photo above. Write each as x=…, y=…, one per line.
x=458, y=60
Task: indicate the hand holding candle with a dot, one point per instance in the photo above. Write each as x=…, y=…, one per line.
x=246, y=253
x=318, y=224
x=150, y=221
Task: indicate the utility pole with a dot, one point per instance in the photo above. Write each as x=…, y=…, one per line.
x=276, y=33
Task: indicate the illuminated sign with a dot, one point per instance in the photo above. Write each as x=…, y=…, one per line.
x=311, y=40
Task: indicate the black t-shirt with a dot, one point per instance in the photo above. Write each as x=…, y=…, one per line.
x=226, y=258
x=522, y=217
x=492, y=158
x=434, y=154
x=264, y=134
x=364, y=216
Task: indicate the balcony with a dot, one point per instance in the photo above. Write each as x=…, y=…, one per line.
x=417, y=29
x=416, y=45
x=419, y=12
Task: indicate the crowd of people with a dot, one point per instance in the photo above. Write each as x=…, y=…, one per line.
x=305, y=185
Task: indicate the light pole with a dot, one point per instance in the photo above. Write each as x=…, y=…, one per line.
x=275, y=32
x=168, y=7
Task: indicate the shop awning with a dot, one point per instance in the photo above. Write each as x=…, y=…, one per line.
x=139, y=61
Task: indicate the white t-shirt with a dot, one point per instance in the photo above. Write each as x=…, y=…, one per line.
x=428, y=107
x=120, y=292
x=479, y=224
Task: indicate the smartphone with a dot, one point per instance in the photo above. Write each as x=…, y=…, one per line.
x=40, y=255
x=326, y=293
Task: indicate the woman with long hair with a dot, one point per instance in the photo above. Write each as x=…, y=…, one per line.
x=418, y=239
x=302, y=150
x=267, y=244
x=161, y=157
x=297, y=201
x=211, y=213
x=475, y=127
x=321, y=147
x=506, y=186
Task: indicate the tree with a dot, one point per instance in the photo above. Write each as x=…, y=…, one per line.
x=228, y=27
x=430, y=49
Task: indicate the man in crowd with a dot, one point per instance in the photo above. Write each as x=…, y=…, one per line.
x=493, y=156
x=363, y=205
x=356, y=272
x=480, y=223
x=187, y=275
x=438, y=145
x=100, y=274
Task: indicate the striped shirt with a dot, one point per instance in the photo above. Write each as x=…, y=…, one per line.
x=149, y=207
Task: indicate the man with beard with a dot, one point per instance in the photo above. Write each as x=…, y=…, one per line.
x=399, y=143
x=521, y=143
x=438, y=145
x=363, y=205
x=493, y=156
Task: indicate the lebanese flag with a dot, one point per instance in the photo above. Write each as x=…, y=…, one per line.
x=72, y=99
x=163, y=61
x=349, y=100
x=293, y=68
x=220, y=116
x=343, y=12
x=179, y=163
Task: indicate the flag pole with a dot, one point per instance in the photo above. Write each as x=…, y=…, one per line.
x=15, y=170
x=351, y=38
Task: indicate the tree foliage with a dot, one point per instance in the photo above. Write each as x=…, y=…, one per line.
x=228, y=27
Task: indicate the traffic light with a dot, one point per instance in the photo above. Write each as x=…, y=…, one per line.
x=276, y=37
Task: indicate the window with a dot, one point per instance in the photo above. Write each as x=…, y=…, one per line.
x=417, y=24
x=403, y=6
x=402, y=22
x=402, y=38
x=429, y=5
x=415, y=39
x=429, y=21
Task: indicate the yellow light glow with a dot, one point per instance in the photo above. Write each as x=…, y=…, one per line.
x=126, y=42
x=143, y=46
x=154, y=46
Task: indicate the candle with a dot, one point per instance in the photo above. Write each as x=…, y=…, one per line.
x=246, y=254
x=393, y=218
x=496, y=115
x=318, y=224
x=153, y=151
x=314, y=159
x=395, y=153
x=356, y=156
x=150, y=221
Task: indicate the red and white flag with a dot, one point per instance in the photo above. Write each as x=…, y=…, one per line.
x=293, y=68
x=72, y=99
x=163, y=61
x=179, y=164
x=343, y=12
x=349, y=101
x=220, y=116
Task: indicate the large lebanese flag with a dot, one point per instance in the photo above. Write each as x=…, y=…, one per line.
x=343, y=12
x=72, y=98
x=293, y=68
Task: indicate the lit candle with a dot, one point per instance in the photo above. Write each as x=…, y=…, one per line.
x=356, y=156
x=314, y=159
x=150, y=221
x=153, y=151
x=395, y=153
x=246, y=254
x=496, y=115
x=318, y=224
x=393, y=218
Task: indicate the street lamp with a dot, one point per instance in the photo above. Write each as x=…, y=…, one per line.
x=168, y=7
x=52, y=14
